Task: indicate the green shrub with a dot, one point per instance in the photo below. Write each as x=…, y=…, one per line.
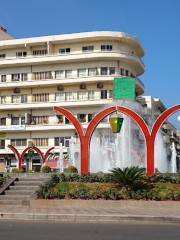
x=45, y=169
x=2, y=180
x=72, y=169
x=16, y=170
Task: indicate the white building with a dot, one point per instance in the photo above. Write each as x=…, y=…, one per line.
x=74, y=71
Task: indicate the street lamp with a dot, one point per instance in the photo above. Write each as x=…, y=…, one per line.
x=116, y=120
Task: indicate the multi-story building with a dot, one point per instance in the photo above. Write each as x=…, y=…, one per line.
x=74, y=71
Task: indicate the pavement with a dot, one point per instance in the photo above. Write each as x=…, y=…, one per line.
x=82, y=212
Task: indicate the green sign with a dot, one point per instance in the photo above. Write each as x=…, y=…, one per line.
x=124, y=88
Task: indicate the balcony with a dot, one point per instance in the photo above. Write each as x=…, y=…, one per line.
x=132, y=59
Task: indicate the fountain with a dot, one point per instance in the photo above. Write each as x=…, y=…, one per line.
x=173, y=167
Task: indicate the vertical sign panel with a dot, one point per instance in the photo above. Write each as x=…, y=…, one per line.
x=124, y=88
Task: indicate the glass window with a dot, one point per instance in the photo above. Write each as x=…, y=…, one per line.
x=106, y=47
x=82, y=95
x=23, y=120
x=24, y=98
x=127, y=73
x=122, y=71
x=2, y=56
x=110, y=93
x=2, y=144
x=68, y=96
x=90, y=116
x=88, y=49
x=68, y=73
x=59, y=74
x=90, y=95
x=21, y=54
x=3, y=78
x=81, y=117
x=16, y=77
x=40, y=52
x=82, y=72
x=59, y=97
x=103, y=94
x=91, y=71
x=3, y=99
x=3, y=121
x=15, y=99
x=24, y=77
x=15, y=121
x=64, y=50
x=104, y=70
x=111, y=70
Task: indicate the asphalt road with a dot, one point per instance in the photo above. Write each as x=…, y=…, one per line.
x=18, y=230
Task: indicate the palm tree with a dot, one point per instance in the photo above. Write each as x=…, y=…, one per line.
x=127, y=177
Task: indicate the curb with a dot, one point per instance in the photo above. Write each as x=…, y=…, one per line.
x=87, y=218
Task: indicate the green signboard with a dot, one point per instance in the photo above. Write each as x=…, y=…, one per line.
x=2, y=135
x=124, y=88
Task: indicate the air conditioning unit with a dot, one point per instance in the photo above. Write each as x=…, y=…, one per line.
x=16, y=90
x=99, y=85
x=59, y=88
x=9, y=115
x=82, y=86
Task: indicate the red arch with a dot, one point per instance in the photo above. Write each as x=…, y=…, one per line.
x=150, y=137
x=20, y=156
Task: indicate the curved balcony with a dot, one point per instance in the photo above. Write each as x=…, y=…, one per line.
x=127, y=57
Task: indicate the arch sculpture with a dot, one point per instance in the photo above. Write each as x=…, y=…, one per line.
x=85, y=137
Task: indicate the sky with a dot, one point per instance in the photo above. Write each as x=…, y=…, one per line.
x=156, y=23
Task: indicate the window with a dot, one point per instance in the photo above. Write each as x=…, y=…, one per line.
x=59, y=74
x=91, y=71
x=82, y=95
x=24, y=77
x=24, y=98
x=67, y=121
x=19, y=142
x=42, y=97
x=64, y=140
x=40, y=119
x=127, y=73
x=40, y=52
x=68, y=96
x=81, y=117
x=15, y=99
x=61, y=118
x=111, y=70
x=23, y=120
x=104, y=70
x=3, y=78
x=2, y=144
x=15, y=77
x=3, y=99
x=88, y=49
x=103, y=94
x=68, y=73
x=122, y=71
x=15, y=121
x=90, y=95
x=110, y=93
x=82, y=72
x=3, y=121
x=41, y=75
x=2, y=56
x=21, y=54
x=106, y=47
x=41, y=142
x=59, y=97
x=90, y=116
x=64, y=50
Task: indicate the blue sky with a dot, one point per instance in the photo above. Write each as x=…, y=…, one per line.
x=154, y=22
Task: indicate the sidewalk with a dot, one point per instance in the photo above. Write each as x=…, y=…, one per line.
x=94, y=214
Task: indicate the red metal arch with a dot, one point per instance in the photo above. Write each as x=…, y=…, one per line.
x=20, y=156
x=150, y=137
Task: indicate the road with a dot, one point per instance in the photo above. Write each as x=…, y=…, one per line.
x=18, y=230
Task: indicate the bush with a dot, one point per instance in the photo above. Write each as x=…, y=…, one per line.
x=72, y=169
x=16, y=170
x=45, y=169
x=2, y=180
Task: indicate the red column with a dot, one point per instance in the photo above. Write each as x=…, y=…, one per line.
x=150, y=155
x=84, y=154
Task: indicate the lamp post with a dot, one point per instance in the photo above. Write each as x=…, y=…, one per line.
x=116, y=121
